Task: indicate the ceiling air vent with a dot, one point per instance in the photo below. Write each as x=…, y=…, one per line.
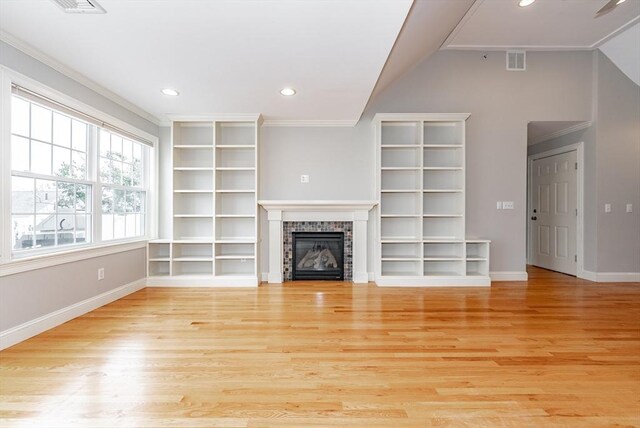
x=80, y=6
x=516, y=61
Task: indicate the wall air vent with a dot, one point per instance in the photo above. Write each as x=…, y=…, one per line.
x=80, y=6
x=516, y=60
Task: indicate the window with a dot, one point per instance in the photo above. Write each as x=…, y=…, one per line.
x=123, y=197
x=60, y=165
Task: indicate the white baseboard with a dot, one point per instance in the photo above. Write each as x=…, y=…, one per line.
x=509, y=276
x=46, y=322
x=612, y=276
x=204, y=282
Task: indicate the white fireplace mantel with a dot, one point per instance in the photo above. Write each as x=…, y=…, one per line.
x=354, y=211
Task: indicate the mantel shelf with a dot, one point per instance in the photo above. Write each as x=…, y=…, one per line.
x=323, y=206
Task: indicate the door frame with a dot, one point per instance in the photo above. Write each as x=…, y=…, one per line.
x=579, y=148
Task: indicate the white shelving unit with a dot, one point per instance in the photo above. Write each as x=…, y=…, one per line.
x=215, y=224
x=421, y=188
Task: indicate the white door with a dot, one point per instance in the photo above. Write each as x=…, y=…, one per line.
x=553, y=215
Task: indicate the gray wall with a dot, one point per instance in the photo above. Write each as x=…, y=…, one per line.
x=33, y=294
x=618, y=168
x=29, y=295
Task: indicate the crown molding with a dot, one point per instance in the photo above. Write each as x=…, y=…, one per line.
x=76, y=76
x=310, y=123
x=560, y=133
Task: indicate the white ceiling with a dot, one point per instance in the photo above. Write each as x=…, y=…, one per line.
x=546, y=24
x=224, y=56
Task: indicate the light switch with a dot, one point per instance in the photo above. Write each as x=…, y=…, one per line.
x=304, y=178
x=507, y=205
x=607, y=208
x=499, y=205
x=629, y=208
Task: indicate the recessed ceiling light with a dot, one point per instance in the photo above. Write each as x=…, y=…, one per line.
x=171, y=92
x=525, y=3
x=288, y=92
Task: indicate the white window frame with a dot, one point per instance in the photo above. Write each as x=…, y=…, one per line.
x=37, y=259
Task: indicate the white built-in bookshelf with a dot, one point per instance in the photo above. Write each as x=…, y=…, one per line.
x=421, y=185
x=215, y=225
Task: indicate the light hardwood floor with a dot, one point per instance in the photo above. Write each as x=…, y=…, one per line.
x=555, y=351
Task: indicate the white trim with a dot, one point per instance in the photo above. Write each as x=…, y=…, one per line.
x=560, y=133
x=311, y=123
x=579, y=148
x=60, y=257
x=416, y=117
x=434, y=281
x=509, y=276
x=446, y=45
x=612, y=276
x=264, y=277
x=317, y=206
x=47, y=92
x=76, y=76
x=203, y=281
x=34, y=327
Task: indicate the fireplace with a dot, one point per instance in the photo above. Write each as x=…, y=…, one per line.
x=318, y=255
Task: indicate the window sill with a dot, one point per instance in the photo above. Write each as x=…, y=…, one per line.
x=25, y=264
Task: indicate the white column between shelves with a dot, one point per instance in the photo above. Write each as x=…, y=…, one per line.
x=275, y=246
x=359, y=257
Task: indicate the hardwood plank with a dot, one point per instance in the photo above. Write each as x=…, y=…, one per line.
x=554, y=351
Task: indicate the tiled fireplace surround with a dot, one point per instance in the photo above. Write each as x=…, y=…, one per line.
x=350, y=217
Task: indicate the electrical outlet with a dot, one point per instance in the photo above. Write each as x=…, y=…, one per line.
x=100, y=274
x=507, y=205
x=304, y=178
x=629, y=208
x=499, y=205
x=607, y=208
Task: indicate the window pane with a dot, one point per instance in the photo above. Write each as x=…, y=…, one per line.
x=19, y=116
x=118, y=226
x=79, y=136
x=82, y=229
x=119, y=202
x=116, y=147
x=141, y=202
x=137, y=152
x=40, y=123
x=131, y=225
x=61, y=161
x=66, y=197
x=65, y=228
x=22, y=227
x=139, y=224
x=79, y=165
x=105, y=143
x=105, y=171
x=45, y=230
x=19, y=153
x=83, y=198
x=126, y=174
x=40, y=158
x=61, y=130
x=127, y=150
x=22, y=196
x=107, y=227
x=107, y=200
x=45, y=196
